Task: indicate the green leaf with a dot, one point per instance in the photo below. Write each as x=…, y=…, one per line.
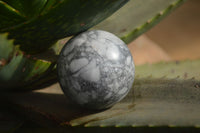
x=10, y=121
x=138, y=16
x=180, y=69
x=9, y=16
x=27, y=8
x=17, y=69
x=49, y=5
x=56, y=20
x=163, y=94
x=6, y=47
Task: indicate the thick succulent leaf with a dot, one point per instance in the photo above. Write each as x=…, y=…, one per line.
x=49, y=5
x=163, y=94
x=179, y=69
x=9, y=16
x=6, y=47
x=18, y=69
x=57, y=20
x=137, y=16
x=158, y=102
x=9, y=121
x=27, y=8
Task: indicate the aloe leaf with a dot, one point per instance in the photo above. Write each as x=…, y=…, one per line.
x=10, y=122
x=58, y=20
x=20, y=69
x=178, y=69
x=6, y=47
x=138, y=16
x=27, y=8
x=49, y=5
x=163, y=94
x=9, y=16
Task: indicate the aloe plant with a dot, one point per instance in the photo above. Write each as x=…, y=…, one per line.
x=28, y=29
x=27, y=61
x=164, y=94
x=32, y=27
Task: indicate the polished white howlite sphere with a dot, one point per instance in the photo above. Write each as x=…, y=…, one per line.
x=95, y=69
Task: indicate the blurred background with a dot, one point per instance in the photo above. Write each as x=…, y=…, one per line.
x=177, y=37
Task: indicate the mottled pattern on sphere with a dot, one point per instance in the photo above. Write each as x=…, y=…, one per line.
x=96, y=69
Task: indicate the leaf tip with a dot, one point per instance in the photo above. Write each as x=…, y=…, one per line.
x=73, y=124
x=171, y=125
x=197, y=126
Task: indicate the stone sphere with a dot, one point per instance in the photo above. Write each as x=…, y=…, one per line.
x=95, y=69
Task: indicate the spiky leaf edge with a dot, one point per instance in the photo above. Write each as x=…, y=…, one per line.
x=23, y=71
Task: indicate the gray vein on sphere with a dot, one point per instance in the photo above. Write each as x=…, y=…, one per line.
x=96, y=66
